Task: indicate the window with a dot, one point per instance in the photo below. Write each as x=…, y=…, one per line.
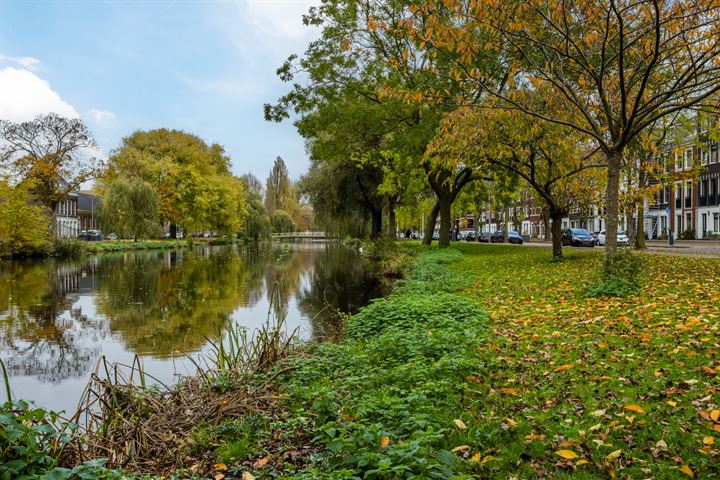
x=716, y=222
x=714, y=153
x=678, y=162
x=688, y=158
x=705, y=156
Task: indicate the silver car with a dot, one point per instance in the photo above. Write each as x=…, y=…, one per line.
x=622, y=238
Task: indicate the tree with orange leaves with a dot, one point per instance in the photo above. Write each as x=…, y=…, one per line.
x=622, y=65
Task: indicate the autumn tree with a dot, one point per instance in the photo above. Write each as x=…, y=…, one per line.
x=278, y=187
x=129, y=208
x=24, y=227
x=552, y=159
x=351, y=66
x=621, y=65
x=55, y=154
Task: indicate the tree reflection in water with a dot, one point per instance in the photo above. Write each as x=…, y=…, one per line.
x=58, y=317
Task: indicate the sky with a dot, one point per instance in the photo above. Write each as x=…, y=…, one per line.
x=206, y=67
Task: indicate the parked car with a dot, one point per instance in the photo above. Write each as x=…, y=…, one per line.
x=484, y=237
x=513, y=237
x=436, y=235
x=595, y=237
x=94, y=235
x=577, y=237
x=112, y=236
x=470, y=237
x=622, y=238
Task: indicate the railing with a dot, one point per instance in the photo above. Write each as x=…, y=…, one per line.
x=299, y=235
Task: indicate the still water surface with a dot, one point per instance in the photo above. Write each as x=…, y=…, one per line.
x=58, y=317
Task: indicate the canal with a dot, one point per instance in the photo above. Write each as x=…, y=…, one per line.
x=58, y=317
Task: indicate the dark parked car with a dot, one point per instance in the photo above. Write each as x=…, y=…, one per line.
x=470, y=236
x=484, y=237
x=577, y=237
x=513, y=237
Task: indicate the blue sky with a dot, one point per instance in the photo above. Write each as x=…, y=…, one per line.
x=204, y=67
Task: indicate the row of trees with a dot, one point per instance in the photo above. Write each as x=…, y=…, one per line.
x=153, y=178
x=566, y=97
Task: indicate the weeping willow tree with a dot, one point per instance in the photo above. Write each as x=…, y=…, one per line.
x=129, y=208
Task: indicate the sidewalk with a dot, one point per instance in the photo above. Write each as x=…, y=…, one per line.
x=705, y=248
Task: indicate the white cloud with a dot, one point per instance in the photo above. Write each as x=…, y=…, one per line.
x=29, y=63
x=281, y=18
x=24, y=95
x=102, y=118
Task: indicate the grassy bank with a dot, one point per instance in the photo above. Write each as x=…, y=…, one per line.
x=549, y=383
x=122, y=245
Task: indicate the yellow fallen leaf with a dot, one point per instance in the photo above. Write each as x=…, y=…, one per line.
x=218, y=476
x=534, y=436
x=487, y=459
x=687, y=471
x=459, y=424
x=384, y=442
x=261, y=463
x=562, y=368
x=671, y=403
x=461, y=448
x=247, y=476
x=597, y=426
x=581, y=462
x=715, y=414
x=613, y=455
x=630, y=418
x=476, y=458
x=634, y=408
x=708, y=440
x=566, y=454
x=220, y=466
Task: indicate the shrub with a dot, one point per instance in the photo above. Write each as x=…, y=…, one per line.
x=70, y=248
x=32, y=439
x=620, y=278
x=688, y=234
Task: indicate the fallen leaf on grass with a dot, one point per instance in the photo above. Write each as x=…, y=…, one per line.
x=708, y=440
x=581, y=462
x=459, y=424
x=534, y=436
x=562, y=368
x=218, y=476
x=566, y=454
x=461, y=448
x=612, y=456
x=487, y=459
x=220, y=466
x=476, y=458
x=687, y=471
x=261, y=463
x=714, y=415
x=634, y=408
x=384, y=442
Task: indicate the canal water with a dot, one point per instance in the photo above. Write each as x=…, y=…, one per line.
x=58, y=317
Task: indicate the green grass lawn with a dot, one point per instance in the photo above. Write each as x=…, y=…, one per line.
x=589, y=387
x=549, y=383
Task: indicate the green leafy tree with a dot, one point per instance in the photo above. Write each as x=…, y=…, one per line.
x=24, y=227
x=129, y=208
x=192, y=180
x=282, y=222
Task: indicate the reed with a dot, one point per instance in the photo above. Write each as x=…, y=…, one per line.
x=6, y=381
x=146, y=427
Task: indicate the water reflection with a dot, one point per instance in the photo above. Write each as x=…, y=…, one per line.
x=58, y=317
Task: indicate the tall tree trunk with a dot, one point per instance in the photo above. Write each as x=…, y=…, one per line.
x=173, y=230
x=547, y=235
x=640, y=230
x=477, y=224
x=392, y=222
x=376, y=227
x=556, y=219
x=430, y=227
x=611, y=206
x=445, y=205
x=506, y=214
